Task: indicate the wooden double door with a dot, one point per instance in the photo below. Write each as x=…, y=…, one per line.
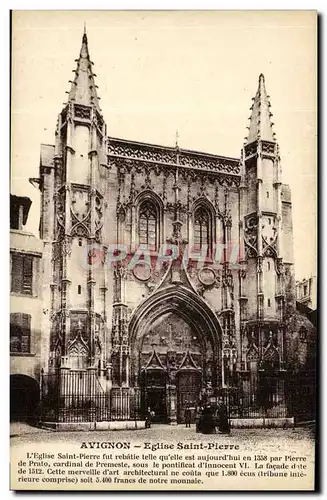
x=188, y=393
x=154, y=393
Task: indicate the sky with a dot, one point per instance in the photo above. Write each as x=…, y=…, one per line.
x=162, y=72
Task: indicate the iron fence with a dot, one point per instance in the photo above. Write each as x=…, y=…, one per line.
x=293, y=396
x=301, y=395
x=249, y=406
x=254, y=404
x=79, y=397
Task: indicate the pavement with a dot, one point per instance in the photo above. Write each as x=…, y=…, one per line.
x=271, y=438
x=18, y=429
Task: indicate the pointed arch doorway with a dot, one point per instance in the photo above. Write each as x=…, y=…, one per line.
x=175, y=342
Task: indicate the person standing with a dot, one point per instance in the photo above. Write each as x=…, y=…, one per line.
x=198, y=417
x=208, y=421
x=224, y=426
x=188, y=416
x=216, y=417
x=148, y=418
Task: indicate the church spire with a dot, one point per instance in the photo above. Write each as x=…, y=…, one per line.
x=260, y=119
x=83, y=88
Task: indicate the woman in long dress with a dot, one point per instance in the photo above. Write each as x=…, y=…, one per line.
x=208, y=421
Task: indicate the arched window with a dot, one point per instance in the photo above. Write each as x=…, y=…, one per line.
x=78, y=356
x=202, y=228
x=148, y=225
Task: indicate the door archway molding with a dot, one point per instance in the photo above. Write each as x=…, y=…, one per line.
x=186, y=304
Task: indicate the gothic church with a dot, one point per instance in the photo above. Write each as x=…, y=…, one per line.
x=167, y=273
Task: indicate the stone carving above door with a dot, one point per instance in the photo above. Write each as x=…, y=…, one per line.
x=171, y=337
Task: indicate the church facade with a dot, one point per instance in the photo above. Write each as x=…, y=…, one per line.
x=167, y=273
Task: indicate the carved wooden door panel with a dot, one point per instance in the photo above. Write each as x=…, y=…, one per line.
x=188, y=393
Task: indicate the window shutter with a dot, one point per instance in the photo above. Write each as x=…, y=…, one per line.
x=17, y=273
x=28, y=274
x=26, y=332
x=22, y=273
x=20, y=332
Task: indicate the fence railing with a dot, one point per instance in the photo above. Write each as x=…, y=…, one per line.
x=253, y=404
x=79, y=397
x=301, y=396
x=295, y=396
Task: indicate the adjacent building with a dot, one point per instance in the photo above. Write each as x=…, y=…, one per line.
x=306, y=292
x=25, y=311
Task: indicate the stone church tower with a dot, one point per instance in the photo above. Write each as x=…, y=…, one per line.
x=266, y=229
x=166, y=271
x=74, y=201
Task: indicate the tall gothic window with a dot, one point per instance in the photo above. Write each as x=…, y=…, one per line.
x=202, y=228
x=148, y=225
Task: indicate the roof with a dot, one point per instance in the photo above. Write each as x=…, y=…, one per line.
x=18, y=201
x=311, y=314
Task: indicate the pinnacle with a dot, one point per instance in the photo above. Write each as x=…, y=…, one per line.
x=83, y=88
x=260, y=120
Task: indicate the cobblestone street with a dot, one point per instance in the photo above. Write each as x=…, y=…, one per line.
x=267, y=440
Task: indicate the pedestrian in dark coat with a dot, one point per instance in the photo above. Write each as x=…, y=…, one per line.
x=208, y=421
x=198, y=418
x=224, y=426
x=188, y=416
x=148, y=418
